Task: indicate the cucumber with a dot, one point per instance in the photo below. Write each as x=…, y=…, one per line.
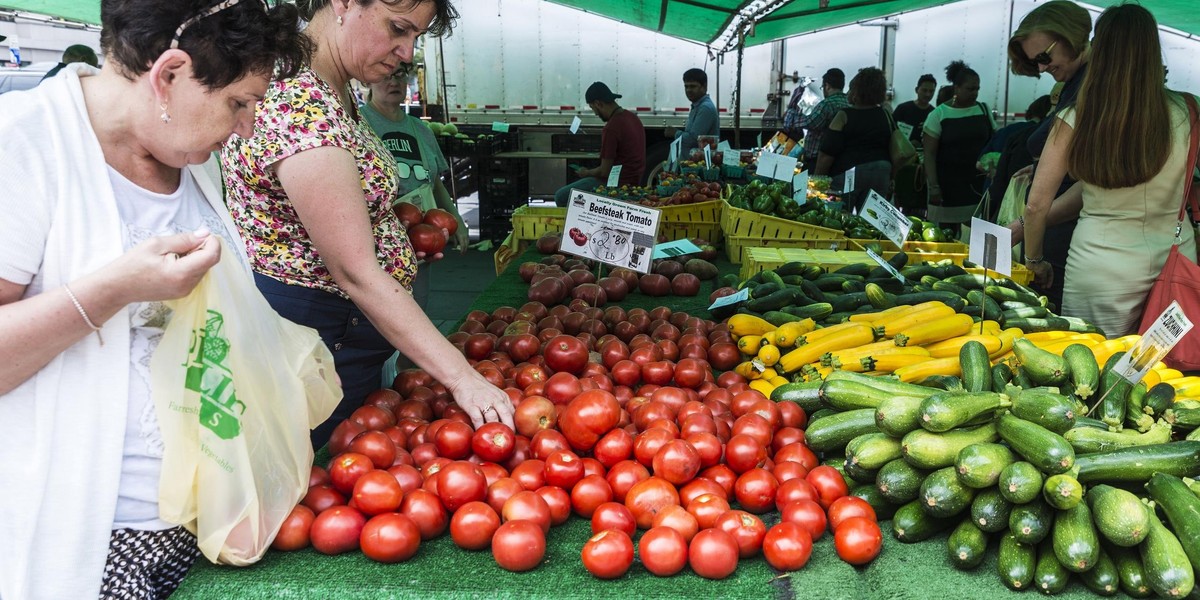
x=926, y=450
x=807, y=395
x=945, y=286
x=976, y=367
x=1131, y=572
x=878, y=298
x=898, y=415
x=1016, y=563
x=790, y=269
x=1024, y=312
x=1001, y=376
x=1168, y=571
x=1102, y=578
x=1020, y=482
x=1062, y=491
x=763, y=290
x=966, y=546
x=1031, y=522
x=1158, y=398
x=884, y=509
x=1118, y=515
x=899, y=481
x=1084, y=372
x=949, y=299
x=1044, y=368
x=942, y=495
x=1137, y=464
x=1048, y=409
x=769, y=276
x=969, y=281
x=1047, y=450
x=1049, y=575
x=990, y=511
x=979, y=465
x=1038, y=325
x=813, y=310
x=1076, y=542
x=1087, y=440
x=991, y=310
x=1090, y=423
x=1114, y=391
x=1182, y=508
x=778, y=318
x=1004, y=294
x=855, y=473
x=872, y=451
x=847, y=302
x=1021, y=379
x=948, y=383
x=835, y=431
x=844, y=394
x=945, y=411
x=912, y=524
x=1134, y=413
x=888, y=386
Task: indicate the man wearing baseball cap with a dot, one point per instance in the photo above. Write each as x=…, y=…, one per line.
x=622, y=142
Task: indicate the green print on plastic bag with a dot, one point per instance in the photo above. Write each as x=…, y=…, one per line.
x=209, y=376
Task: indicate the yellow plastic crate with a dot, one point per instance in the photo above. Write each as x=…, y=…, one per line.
x=736, y=247
x=698, y=220
x=759, y=259
x=532, y=222
x=748, y=229
x=915, y=248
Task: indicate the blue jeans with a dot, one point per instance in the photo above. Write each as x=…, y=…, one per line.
x=563, y=195
x=358, y=349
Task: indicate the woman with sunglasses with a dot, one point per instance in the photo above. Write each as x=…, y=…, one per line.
x=1129, y=152
x=312, y=191
x=107, y=213
x=1052, y=39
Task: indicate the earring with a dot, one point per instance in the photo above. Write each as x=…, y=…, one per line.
x=166, y=118
x=339, y=20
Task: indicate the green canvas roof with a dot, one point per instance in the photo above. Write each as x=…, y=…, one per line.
x=83, y=11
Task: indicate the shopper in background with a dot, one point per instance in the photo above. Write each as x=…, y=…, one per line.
x=859, y=138
x=817, y=122
x=312, y=192
x=1014, y=153
x=954, y=134
x=1053, y=39
x=702, y=118
x=914, y=112
x=1130, y=153
x=73, y=54
x=622, y=143
x=107, y=214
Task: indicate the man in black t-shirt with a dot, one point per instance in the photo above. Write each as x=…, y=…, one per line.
x=914, y=112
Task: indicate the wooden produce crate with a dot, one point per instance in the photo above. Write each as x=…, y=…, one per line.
x=748, y=229
x=697, y=220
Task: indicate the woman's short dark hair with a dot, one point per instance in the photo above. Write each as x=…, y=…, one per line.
x=869, y=87
x=444, y=13
x=958, y=73
x=242, y=39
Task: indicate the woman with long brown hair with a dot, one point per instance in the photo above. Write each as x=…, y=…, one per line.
x=1129, y=151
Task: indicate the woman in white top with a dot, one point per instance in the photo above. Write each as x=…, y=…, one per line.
x=1128, y=151
x=107, y=213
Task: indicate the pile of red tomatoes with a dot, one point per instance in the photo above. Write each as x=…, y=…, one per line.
x=428, y=231
x=630, y=429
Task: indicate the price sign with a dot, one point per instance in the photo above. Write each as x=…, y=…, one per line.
x=800, y=188
x=886, y=218
x=776, y=166
x=905, y=128
x=731, y=299
x=990, y=246
x=886, y=266
x=673, y=157
x=731, y=158
x=500, y=126
x=575, y=123
x=676, y=248
x=707, y=157
x=1170, y=327
x=849, y=185
x=722, y=146
x=614, y=176
x=610, y=231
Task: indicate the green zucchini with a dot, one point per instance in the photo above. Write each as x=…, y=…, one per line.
x=1118, y=515
x=979, y=465
x=1047, y=450
x=976, y=367
x=1049, y=575
x=857, y=473
x=1004, y=294
x=1044, y=368
x=1090, y=423
x=884, y=509
x=899, y=415
x=1087, y=440
x=991, y=310
x=927, y=450
x=1020, y=482
x=806, y=395
x=1016, y=563
x=1001, y=376
x=1131, y=572
x=1137, y=464
x=945, y=411
x=1168, y=570
x=1182, y=508
x=948, y=383
x=1031, y=522
x=1024, y=312
x=966, y=546
x=845, y=394
x=1135, y=413
x=821, y=413
x=1048, y=409
x=888, y=386
x=813, y=310
x=1062, y=491
x=1035, y=325
x=835, y=431
x=871, y=451
x=1183, y=417
x=1084, y=372
x=899, y=481
x=1075, y=539
x=1158, y=398
x=1021, y=379
x=1102, y=578
x=912, y=524
x=990, y=511
x=1114, y=391
x=942, y=495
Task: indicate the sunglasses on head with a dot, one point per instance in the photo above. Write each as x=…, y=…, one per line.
x=1043, y=57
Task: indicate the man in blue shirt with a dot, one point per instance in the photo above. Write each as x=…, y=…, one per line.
x=817, y=122
x=702, y=119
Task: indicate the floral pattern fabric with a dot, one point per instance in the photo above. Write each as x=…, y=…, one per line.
x=300, y=114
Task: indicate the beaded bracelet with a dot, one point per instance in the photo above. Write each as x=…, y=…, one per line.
x=83, y=313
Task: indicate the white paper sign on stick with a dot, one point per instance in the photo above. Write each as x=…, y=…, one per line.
x=614, y=176
x=575, y=123
x=731, y=158
x=707, y=157
x=906, y=129
x=1167, y=330
x=886, y=265
x=776, y=166
x=991, y=246
x=886, y=218
x=676, y=248
x=741, y=296
x=849, y=185
x=800, y=188
x=722, y=146
x=673, y=157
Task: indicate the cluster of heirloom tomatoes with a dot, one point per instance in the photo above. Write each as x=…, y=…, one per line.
x=620, y=420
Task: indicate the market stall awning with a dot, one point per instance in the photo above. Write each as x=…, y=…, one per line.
x=82, y=11
x=699, y=21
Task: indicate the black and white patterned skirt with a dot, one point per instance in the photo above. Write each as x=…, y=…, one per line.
x=147, y=564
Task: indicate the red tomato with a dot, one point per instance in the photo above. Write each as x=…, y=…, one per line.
x=519, y=545
x=461, y=482
x=795, y=490
x=626, y=372
x=494, y=442
x=792, y=415
x=646, y=498
x=453, y=440
x=647, y=444
x=347, y=468
x=689, y=373
x=744, y=452
x=408, y=213
x=547, y=442
x=723, y=476
x=559, y=502
x=713, y=554
x=797, y=452
x=589, y=493
x=787, y=546
x=531, y=474
x=500, y=491
x=724, y=356
x=566, y=353
x=592, y=466
x=755, y=426
x=589, y=416
x=679, y=519
x=441, y=219
x=787, y=470
x=611, y=515
x=755, y=490
x=473, y=525
x=426, y=510
x=707, y=508
x=708, y=446
x=534, y=414
x=390, y=538
x=527, y=506
x=747, y=529
x=608, y=554
x=677, y=462
x=613, y=447
x=321, y=497
x=829, y=483
x=663, y=551
x=807, y=514
x=427, y=238
x=318, y=476
x=623, y=476
x=294, y=533
x=377, y=492
x=336, y=530
x=373, y=418
x=858, y=540
x=492, y=472
x=561, y=388
x=848, y=507
x=563, y=469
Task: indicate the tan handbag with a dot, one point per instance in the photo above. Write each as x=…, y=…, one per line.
x=900, y=148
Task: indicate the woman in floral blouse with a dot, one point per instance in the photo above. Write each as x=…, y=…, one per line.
x=312, y=192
